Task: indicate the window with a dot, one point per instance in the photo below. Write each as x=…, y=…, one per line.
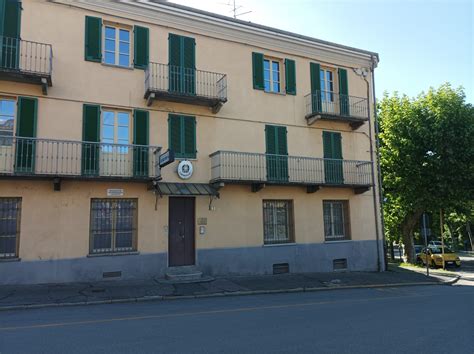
x=7, y=121
x=336, y=220
x=277, y=221
x=113, y=225
x=271, y=75
x=182, y=136
x=10, y=212
x=117, y=46
x=115, y=130
x=327, y=85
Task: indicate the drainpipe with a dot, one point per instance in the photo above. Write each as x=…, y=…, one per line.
x=363, y=74
x=379, y=169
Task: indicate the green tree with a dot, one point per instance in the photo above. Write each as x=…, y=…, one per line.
x=427, y=157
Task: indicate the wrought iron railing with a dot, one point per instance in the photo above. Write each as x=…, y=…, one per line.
x=337, y=105
x=183, y=81
x=254, y=167
x=25, y=56
x=48, y=157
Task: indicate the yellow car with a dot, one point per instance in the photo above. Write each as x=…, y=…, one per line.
x=434, y=257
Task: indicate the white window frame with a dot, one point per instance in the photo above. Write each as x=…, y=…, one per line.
x=117, y=28
x=331, y=236
x=272, y=80
x=8, y=142
x=116, y=126
x=275, y=238
x=327, y=95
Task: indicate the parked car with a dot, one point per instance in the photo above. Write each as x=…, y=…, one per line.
x=435, y=243
x=418, y=249
x=434, y=257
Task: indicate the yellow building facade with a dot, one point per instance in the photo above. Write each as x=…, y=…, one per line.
x=272, y=135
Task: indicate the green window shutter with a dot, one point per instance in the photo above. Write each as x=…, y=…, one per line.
x=343, y=92
x=10, y=18
x=315, y=76
x=93, y=39
x=141, y=47
x=90, y=138
x=257, y=69
x=270, y=139
x=27, y=113
x=25, y=149
x=174, y=134
x=333, y=167
x=140, y=137
x=189, y=136
x=290, y=71
x=174, y=50
x=189, y=64
x=277, y=149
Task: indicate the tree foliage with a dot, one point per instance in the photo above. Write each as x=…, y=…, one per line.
x=427, y=157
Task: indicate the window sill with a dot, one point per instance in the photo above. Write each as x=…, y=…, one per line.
x=7, y=260
x=117, y=66
x=337, y=241
x=275, y=93
x=280, y=244
x=131, y=253
x=185, y=159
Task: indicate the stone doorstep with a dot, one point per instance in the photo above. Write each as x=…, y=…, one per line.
x=184, y=274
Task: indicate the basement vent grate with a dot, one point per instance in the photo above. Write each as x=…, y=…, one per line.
x=281, y=268
x=112, y=274
x=339, y=264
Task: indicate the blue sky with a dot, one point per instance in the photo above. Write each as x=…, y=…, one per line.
x=421, y=43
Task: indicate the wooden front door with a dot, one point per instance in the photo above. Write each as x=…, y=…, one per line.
x=181, y=248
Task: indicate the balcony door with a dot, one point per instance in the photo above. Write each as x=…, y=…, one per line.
x=277, y=153
x=10, y=13
x=327, y=91
x=115, y=153
x=182, y=64
x=333, y=168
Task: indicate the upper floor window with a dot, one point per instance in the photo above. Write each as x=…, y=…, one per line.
x=327, y=85
x=117, y=46
x=7, y=120
x=271, y=69
x=182, y=135
x=115, y=130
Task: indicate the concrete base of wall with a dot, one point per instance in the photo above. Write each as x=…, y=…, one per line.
x=301, y=258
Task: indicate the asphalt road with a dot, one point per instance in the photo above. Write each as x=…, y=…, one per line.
x=423, y=319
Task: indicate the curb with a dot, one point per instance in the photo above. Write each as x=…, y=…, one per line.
x=224, y=294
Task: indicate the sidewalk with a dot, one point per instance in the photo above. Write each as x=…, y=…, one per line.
x=50, y=295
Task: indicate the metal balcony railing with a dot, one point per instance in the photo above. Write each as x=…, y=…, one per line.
x=26, y=57
x=66, y=158
x=240, y=167
x=336, y=105
x=177, y=81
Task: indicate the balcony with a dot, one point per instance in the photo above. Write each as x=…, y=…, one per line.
x=66, y=159
x=332, y=106
x=185, y=85
x=25, y=61
x=259, y=170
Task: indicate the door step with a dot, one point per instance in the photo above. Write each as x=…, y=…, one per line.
x=185, y=274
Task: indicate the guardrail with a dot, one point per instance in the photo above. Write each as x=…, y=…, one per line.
x=26, y=56
x=183, y=81
x=242, y=167
x=48, y=157
x=336, y=105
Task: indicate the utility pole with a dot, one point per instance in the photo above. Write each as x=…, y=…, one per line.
x=426, y=246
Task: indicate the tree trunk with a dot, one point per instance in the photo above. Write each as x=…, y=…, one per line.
x=406, y=228
x=468, y=228
x=392, y=251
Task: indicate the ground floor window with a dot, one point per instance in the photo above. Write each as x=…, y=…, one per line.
x=10, y=212
x=277, y=221
x=336, y=220
x=113, y=225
